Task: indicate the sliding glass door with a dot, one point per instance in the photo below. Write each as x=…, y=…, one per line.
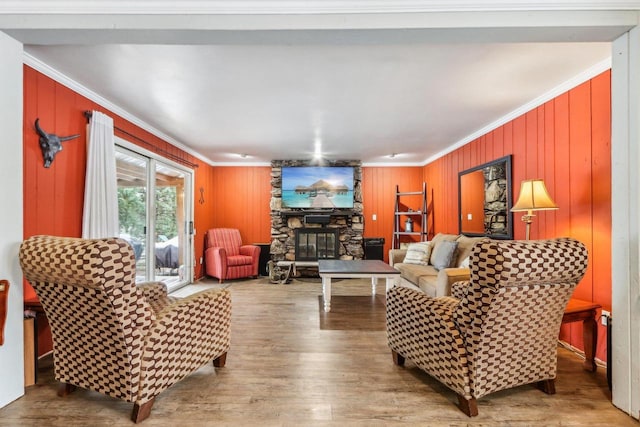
x=131, y=170
x=171, y=234
x=154, y=203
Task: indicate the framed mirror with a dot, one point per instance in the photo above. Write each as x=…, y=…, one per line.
x=484, y=200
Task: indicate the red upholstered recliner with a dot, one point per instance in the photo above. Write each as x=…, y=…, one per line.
x=227, y=258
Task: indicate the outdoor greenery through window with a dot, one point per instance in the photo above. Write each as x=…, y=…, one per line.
x=132, y=208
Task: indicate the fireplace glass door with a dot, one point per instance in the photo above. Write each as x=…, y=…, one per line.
x=316, y=243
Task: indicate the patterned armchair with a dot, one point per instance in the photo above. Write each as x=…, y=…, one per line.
x=111, y=336
x=498, y=331
x=227, y=258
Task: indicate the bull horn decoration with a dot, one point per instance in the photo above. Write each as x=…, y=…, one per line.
x=50, y=144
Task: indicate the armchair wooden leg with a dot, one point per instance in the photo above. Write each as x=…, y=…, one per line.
x=548, y=386
x=65, y=389
x=141, y=412
x=220, y=361
x=398, y=359
x=468, y=406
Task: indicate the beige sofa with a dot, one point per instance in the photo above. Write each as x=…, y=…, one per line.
x=426, y=277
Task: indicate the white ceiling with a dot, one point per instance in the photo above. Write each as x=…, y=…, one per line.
x=363, y=94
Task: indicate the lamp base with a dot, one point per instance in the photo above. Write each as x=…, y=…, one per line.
x=527, y=219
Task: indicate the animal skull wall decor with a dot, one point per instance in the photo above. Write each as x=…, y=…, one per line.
x=50, y=144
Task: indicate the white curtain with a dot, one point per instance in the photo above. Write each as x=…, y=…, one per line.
x=100, y=217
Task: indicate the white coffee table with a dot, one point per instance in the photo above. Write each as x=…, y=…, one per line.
x=351, y=269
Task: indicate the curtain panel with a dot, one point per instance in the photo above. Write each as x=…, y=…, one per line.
x=100, y=215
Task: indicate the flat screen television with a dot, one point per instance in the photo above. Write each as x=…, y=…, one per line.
x=317, y=187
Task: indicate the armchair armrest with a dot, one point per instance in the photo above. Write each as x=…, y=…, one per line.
x=254, y=252
x=459, y=289
x=430, y=309
x=185, y=335
x=447, y=277
x=250, y=250
x=152, y=291
x=396, y=256
x=421, y=329
x=216, y=261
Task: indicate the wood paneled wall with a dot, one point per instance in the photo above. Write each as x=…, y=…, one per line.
x=378, y=198
x=54, y=197
x=242, y=197
x=567, y=142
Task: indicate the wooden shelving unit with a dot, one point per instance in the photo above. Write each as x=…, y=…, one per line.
x=402, y=212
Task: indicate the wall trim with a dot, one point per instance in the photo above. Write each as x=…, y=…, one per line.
x=243, y=164
x=573, y=82
x=65, y=80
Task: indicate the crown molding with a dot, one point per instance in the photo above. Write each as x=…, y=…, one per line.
x=242, y=164
x=252, y=7
x=65, y=80
x=587, y=74
x=392, y=165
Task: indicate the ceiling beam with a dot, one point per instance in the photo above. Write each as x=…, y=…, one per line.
x=76, y=26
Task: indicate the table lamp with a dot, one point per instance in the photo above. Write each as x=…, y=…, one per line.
x=533, y=197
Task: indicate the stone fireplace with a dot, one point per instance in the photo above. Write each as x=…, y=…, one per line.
x=306, y=234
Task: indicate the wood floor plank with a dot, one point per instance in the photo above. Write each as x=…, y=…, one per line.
x=283, y=369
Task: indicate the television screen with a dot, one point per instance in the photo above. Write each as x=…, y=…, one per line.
x=317, y=187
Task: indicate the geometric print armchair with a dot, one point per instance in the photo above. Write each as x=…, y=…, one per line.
x=113, y=337
x=497, y=331
x=227, y=258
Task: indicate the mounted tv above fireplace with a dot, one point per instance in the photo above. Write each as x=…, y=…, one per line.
x=317, y=187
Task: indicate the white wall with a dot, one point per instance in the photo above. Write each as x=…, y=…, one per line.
x=11, y=358
x=625, y=230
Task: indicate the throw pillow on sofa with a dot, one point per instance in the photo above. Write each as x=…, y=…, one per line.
x=418, y=253
x=444, y=254
x=465, y=263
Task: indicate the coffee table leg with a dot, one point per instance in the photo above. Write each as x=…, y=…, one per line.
x=326, y=293
x=390, y=283
x=374, y=283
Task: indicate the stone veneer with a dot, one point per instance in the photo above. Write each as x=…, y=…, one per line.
x=285, y=221
x=495, y=200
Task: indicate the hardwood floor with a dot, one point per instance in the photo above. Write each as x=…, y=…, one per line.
x=283, y=369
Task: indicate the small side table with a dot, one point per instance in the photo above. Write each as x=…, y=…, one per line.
x=586, y=311
x=265, y=256
x=35, y=306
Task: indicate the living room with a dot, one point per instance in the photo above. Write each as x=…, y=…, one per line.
x=567, y=140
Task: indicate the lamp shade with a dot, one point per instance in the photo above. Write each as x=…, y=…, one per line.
x=533, y=197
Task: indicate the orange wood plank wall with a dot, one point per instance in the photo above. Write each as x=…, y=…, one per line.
x=378, y=198
x=567, y=142
x=242, y=197
x=53, y=197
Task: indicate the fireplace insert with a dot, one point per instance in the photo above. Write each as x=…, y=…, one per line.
x=313, y=244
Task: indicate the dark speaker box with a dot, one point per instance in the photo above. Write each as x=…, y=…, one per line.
x=317, y=219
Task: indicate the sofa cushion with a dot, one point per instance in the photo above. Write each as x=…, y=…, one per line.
x=439, y=238
x=418, y=253
x=465, y=244
x=444, y=255
x=413, y=272
x=429, y=285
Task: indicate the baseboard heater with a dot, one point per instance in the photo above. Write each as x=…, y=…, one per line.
x=317, y=219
